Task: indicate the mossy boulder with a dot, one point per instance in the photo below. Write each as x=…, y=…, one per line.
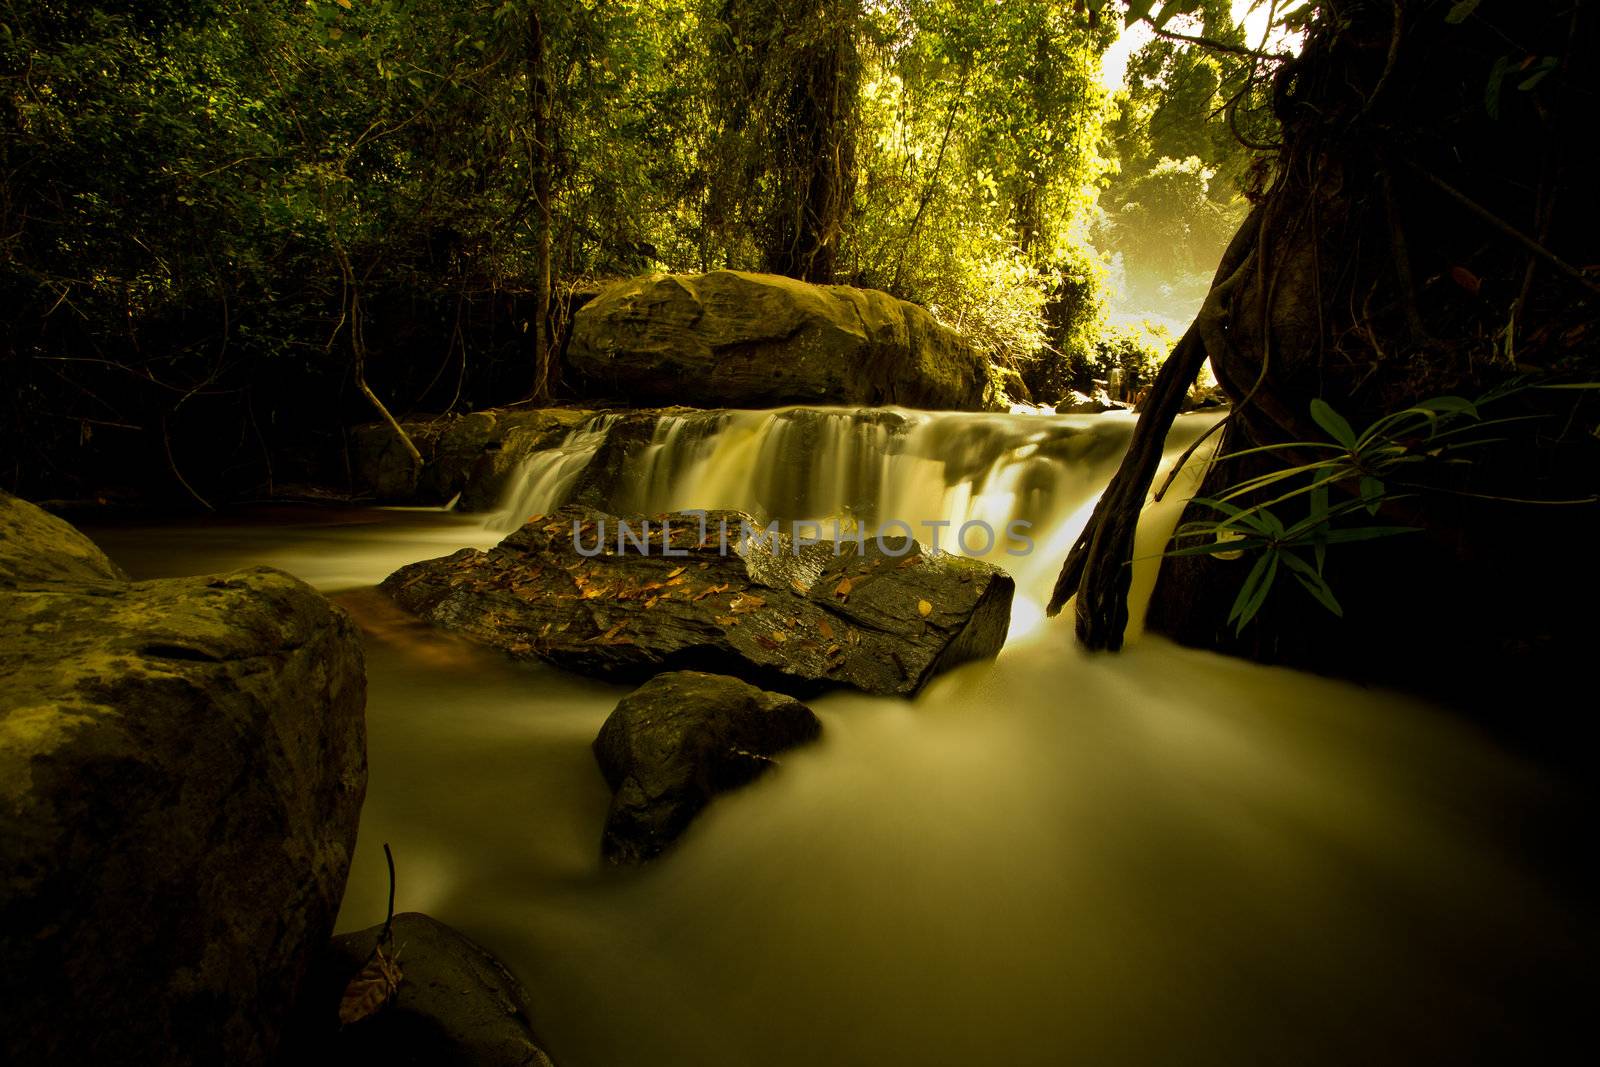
x=736, y=339
x=182, y=764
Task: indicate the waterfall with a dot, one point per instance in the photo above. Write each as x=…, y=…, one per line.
x=545, y=480
x=932, y=471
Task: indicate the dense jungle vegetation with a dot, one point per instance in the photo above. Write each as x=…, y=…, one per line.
x=222, y=222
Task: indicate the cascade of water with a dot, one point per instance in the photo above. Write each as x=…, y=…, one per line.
x=544, y=480
x=934, y=472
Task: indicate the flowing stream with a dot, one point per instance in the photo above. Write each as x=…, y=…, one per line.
x=1158, y=857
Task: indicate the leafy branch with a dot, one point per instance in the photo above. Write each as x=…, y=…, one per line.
x=1382, y=463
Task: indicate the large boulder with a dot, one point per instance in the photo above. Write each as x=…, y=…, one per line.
x=456, y=1005
x=676, y=742
x=736, y=339
x=882, y=615
x=35, y=546
x=182, y=764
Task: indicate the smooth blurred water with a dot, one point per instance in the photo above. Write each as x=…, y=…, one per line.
x=1158, y=857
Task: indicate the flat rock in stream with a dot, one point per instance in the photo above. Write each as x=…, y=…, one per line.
x=676, y=742
x=456, y=1005
x=880, y=616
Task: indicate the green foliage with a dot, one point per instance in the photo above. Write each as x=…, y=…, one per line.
x=977, y=176
x=1182, y=166
x=212, y=210
x=1347, y=475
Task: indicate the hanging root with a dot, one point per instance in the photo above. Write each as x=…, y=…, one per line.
x=1098, y=569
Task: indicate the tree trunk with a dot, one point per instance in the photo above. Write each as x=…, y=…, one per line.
x=541, y=166
x=1419, y=239
x=813, y=146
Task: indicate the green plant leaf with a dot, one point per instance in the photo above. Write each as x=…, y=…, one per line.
x=1371, y=493
x=1366, y=533
x=1211, y=548
x=1452, y=405
x=1314, y=583
x=1333, y=422
x=1254, y=591
x=1461, y=11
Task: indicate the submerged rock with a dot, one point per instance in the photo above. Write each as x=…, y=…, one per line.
x=881, y=616
x=182, y=764
x=456, y=1005
x=676, y=742
x=761, y=340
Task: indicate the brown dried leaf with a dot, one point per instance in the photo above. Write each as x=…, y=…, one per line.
x=1467, y=280
x=370, y=990
x=675, y=572
x=745, y=603
x=824, y=629
x=843, y=588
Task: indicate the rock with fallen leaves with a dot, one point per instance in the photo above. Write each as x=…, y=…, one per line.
x=825, y=615
x=676, y=742
x=183, y=767
x=451, y=1003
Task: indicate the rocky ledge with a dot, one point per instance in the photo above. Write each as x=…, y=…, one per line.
x=880, y=615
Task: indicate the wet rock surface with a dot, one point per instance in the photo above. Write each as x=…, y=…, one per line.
x=182, y=765
x=676, y=742
x=455, y=1006
x=880, y=616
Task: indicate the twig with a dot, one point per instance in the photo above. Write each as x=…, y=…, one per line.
x=388, y=921
x=1505, y=228
x=1220, y=46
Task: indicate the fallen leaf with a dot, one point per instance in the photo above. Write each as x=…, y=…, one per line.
x=843, y=588
x=924, y=608
x=1466, y=279
x=675, y=572
x=745, y=603
x=779, y=636
x=824, y=629
x=371, y=989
